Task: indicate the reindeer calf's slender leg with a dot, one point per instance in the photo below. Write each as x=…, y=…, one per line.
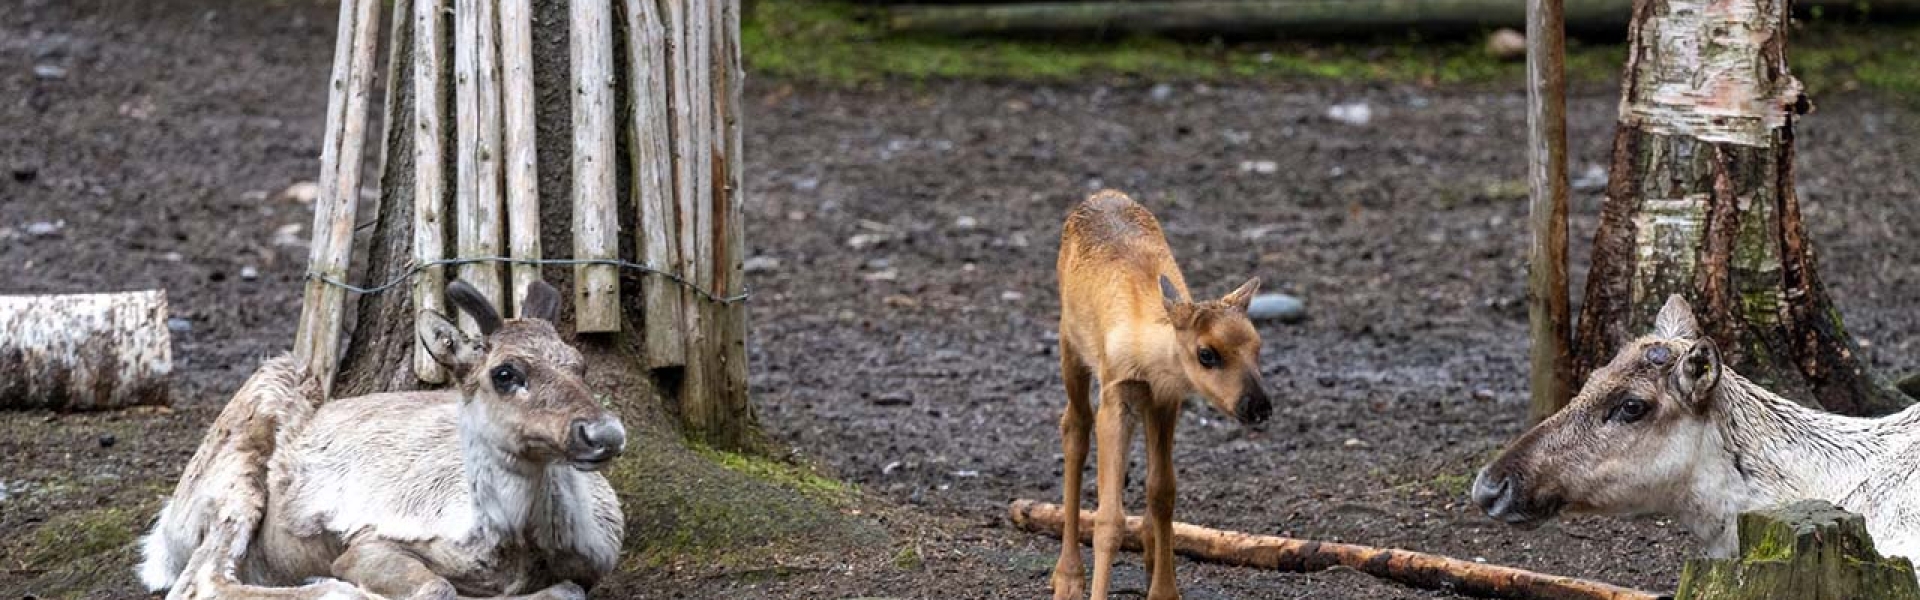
x=1110, y=519
x=1161, y=422
x=1076, y=422
x=391, y=571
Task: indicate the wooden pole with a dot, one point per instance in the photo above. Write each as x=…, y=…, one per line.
x=523, y=181
x=653, y=183
x=85, y=351
x=1415, y=569
x=693, y=179
x=477, y=191
x=317, y=337
x=734, y=414
x=1550, y=322
x=429, y=176
x=596, y=220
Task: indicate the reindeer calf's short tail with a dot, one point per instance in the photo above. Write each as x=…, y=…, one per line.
x=225, y=484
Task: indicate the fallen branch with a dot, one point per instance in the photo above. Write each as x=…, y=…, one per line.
x=84, y=352
x=1284, y=554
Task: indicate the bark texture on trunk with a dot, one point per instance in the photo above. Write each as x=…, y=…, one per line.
x=1701, y=203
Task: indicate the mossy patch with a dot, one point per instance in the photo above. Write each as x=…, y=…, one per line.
x=77, y=552
x=799, y=478
x=841, y=43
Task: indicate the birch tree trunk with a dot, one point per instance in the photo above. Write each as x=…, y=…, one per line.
x=1701, y=203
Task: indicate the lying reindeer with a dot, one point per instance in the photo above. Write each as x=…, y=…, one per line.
x=1667, y=429
x=485, y=489
x=1150, y=348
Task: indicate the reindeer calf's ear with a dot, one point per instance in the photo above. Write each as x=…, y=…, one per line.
x=448, y=345
x=1179, y=311
x=1698, y=372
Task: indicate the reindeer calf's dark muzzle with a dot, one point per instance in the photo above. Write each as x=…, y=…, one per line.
x=592, y=444
x=1253, y=408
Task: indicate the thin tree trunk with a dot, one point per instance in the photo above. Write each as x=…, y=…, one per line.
x=1701, y=203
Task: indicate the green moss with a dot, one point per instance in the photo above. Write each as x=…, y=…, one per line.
x=838, y=42
x=798, y=478
x=908, y=559
x=75, y=535
x=1451, y=485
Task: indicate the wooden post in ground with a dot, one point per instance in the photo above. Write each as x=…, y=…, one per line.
x=477, y=116
x=693, y=191
x=84, y=351
x=1549, y=318
x=732, y=412
x=651, y=151
x=596, y=220
x=429, y=175
x=1808, y=550
x=317, y=336
x=1304, y=556
x=523, y=187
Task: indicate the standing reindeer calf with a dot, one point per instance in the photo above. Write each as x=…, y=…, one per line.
x=490, y=488
x=1667, y=428
x=1125, y=319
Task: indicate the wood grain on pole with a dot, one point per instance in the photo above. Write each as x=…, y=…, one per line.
x=1549, y=319
x=477, y=143
x=522, y=179
x=338, y=201
x=651, y=152
x=84, y=351
x=305, y=329
x=596, y=217
x=730, y=372
x=429, y=174
x=689, y=73
x=1415, y=569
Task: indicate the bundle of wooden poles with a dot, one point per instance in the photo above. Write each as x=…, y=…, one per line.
x=681, y=64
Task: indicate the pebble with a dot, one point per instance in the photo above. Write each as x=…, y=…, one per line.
x=1161, y=92
x=1012, y=296
x=1263, y=167
x=1507, y=44
x=761, y=264
x=179, y=325
x=893, y=399
x=25, y=174
x=862, y=241
x=965, y=222
x=884, y=275
x=249, y=273
x=1356, y=443
x=1277, y=307
x=1484, y=395
x=303, y=192
x=50, y=71
x=107, y=440
x=45, y=228
x=1352, y=113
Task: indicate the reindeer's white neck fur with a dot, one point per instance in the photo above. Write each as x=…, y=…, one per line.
x=515, y=498
x=1763, y=450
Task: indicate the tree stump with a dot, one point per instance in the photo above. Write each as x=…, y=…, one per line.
x=1808, y=550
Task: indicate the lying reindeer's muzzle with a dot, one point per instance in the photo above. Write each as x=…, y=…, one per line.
x=593, y=444
x=1500, y=496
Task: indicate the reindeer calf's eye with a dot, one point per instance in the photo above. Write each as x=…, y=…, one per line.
x=1209, y=358
x=506, y=379
x=1630, y=410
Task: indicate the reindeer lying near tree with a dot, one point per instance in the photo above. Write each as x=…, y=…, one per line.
x=1125, y=319
x=486, y=489
x=1666, y=428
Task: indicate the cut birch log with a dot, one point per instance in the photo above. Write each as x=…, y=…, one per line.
x=317, y=337
x=477, y=116
x=596, y=217
x=523, y=181
x=429, y=177
x=85, y=351
x=651, y=151
x=1287, y=17
x=1415, y=569
x=1548, y=316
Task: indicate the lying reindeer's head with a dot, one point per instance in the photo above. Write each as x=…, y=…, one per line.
x=521, y=384
x=1626, y=444
x=1220, y=350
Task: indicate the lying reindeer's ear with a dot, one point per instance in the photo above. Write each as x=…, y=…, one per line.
x=1179, y=311
x=448, y=345
x=542, y=302
x=1697, y=374
x=1676, y=320
x=1240, y=298
x=471, y=301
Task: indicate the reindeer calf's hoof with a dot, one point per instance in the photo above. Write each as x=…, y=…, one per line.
x=1069, y=587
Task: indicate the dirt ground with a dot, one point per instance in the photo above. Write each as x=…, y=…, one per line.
x=921, y=367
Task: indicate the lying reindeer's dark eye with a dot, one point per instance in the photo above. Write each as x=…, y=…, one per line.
x=1209, y=358
x=506, y=379
x=1629, y=410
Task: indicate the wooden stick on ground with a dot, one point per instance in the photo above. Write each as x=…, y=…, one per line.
x=1303, y=556
x=429, y=174
x=653, y=187
x=523, y=186
x=596, y=217
x=317, y=336
x=1549, y=320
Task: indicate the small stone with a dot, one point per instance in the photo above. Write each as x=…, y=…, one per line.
x=50, y=71
x=965, y=222
x=1507, y=44
x=901, y=301
x=893, y=399
x=25, y=174
x=1484, y=395
x=45, y=228
x=1263, y=167
x=107, y=440
x=1277, y=307
x=882, y=275
x=303, y=192
x=796, y=215
x=288, y=236
x=862, y=241
x=1012, y=296
x=806, y=184
x=1161, y=92
x=249, y=273
x=966, y=474
x=173, y=257
x=179, y=325
x=1352, y=113
x=761, y=264
x=1356, y=443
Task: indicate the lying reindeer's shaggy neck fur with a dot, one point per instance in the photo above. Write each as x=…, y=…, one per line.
x=504, y=488
x=1772, y=450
